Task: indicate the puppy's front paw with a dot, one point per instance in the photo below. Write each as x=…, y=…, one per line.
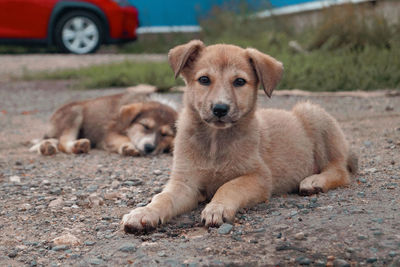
x=215, y=214
x=81, y=146
x=141, y=219
x=128, y=149
x=312, y=185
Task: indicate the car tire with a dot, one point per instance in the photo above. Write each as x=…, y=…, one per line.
x=78, y=32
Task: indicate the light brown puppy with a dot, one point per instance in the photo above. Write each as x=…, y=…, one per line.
x=129, y=124
x=228, y=151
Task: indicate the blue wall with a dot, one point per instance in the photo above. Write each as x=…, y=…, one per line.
x=187, y=12
x=281, y=3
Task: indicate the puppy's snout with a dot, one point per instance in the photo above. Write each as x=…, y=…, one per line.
x=220, y=110
x=148, y=148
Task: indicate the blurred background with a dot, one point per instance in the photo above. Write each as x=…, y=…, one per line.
x=329, y=45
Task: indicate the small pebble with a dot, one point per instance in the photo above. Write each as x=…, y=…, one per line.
x=303, y=260
x=89, y=243
x=362, y=180
x=162, y=254
x=371, y=170
x=45, y=182
x=92, y=188
x=361, y=237
x=372, y=260
x=378, y=233
x=280, y=227
x=55, y=191
x=115, y=184
x=293, y=213
x=127, y=247
x=157, y=172
x=67, y=239
x=283, y=246
x=340, y=263
x=367, y=143
x=361, y=194
x=225, y=229
x=95, y=200
x=15, y=179
x=56, y=203
x=95, y=261
x=389, y=108
x=60, y=248
x=113, y=195
x=135, y=182
x=299, y=236
x=24, y=207
x=13, y=254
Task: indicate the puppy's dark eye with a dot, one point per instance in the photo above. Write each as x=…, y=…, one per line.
x=145, y=126
x=239, y=82
x=204, y=80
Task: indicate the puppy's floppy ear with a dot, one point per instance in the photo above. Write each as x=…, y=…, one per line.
x=269, y=70
x=182, y=55
x=128, y=113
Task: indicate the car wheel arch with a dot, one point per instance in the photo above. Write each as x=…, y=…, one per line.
x=65, y=7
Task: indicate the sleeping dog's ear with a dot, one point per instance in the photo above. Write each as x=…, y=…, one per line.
x=268, y=69
x=128, y=113
x=181, y=56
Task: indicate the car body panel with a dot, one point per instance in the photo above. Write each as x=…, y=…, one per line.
x=32, y=24
x=119, y=22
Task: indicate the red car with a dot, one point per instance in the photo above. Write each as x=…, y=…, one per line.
x=75, y=26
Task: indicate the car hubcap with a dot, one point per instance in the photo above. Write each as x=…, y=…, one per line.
x=80, y=35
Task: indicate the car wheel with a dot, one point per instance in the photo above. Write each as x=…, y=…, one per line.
x=78, y=32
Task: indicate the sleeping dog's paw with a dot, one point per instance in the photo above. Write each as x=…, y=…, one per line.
x=139, y=220
x=215, y=214
x=81, y=146
x=128, y=149
x=313, y=184
x=45, y=147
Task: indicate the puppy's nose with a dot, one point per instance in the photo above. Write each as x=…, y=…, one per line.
x=148, y=148
x=220, y=110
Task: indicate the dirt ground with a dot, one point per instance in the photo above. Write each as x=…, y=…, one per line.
x=42, y=198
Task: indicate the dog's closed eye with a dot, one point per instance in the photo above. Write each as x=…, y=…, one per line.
x=147, y=127
x=166, y=131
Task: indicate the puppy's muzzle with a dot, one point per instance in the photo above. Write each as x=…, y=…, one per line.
x=220, y=110
x=148, y=148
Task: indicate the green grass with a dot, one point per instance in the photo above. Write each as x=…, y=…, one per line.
x=370, y=69
x=115, y=75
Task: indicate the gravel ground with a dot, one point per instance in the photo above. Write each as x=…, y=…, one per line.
x=45, y=198
x=15, y=65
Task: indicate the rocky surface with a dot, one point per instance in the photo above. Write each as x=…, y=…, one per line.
x=65, y=209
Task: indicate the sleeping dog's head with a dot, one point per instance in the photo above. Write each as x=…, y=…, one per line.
x=222, y=80
x=149, y=125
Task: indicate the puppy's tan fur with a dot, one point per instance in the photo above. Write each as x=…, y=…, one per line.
x=246, y=156
x=124, y=123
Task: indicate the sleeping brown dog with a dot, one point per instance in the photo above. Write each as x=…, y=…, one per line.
x=129, y=124
x=234, y=154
